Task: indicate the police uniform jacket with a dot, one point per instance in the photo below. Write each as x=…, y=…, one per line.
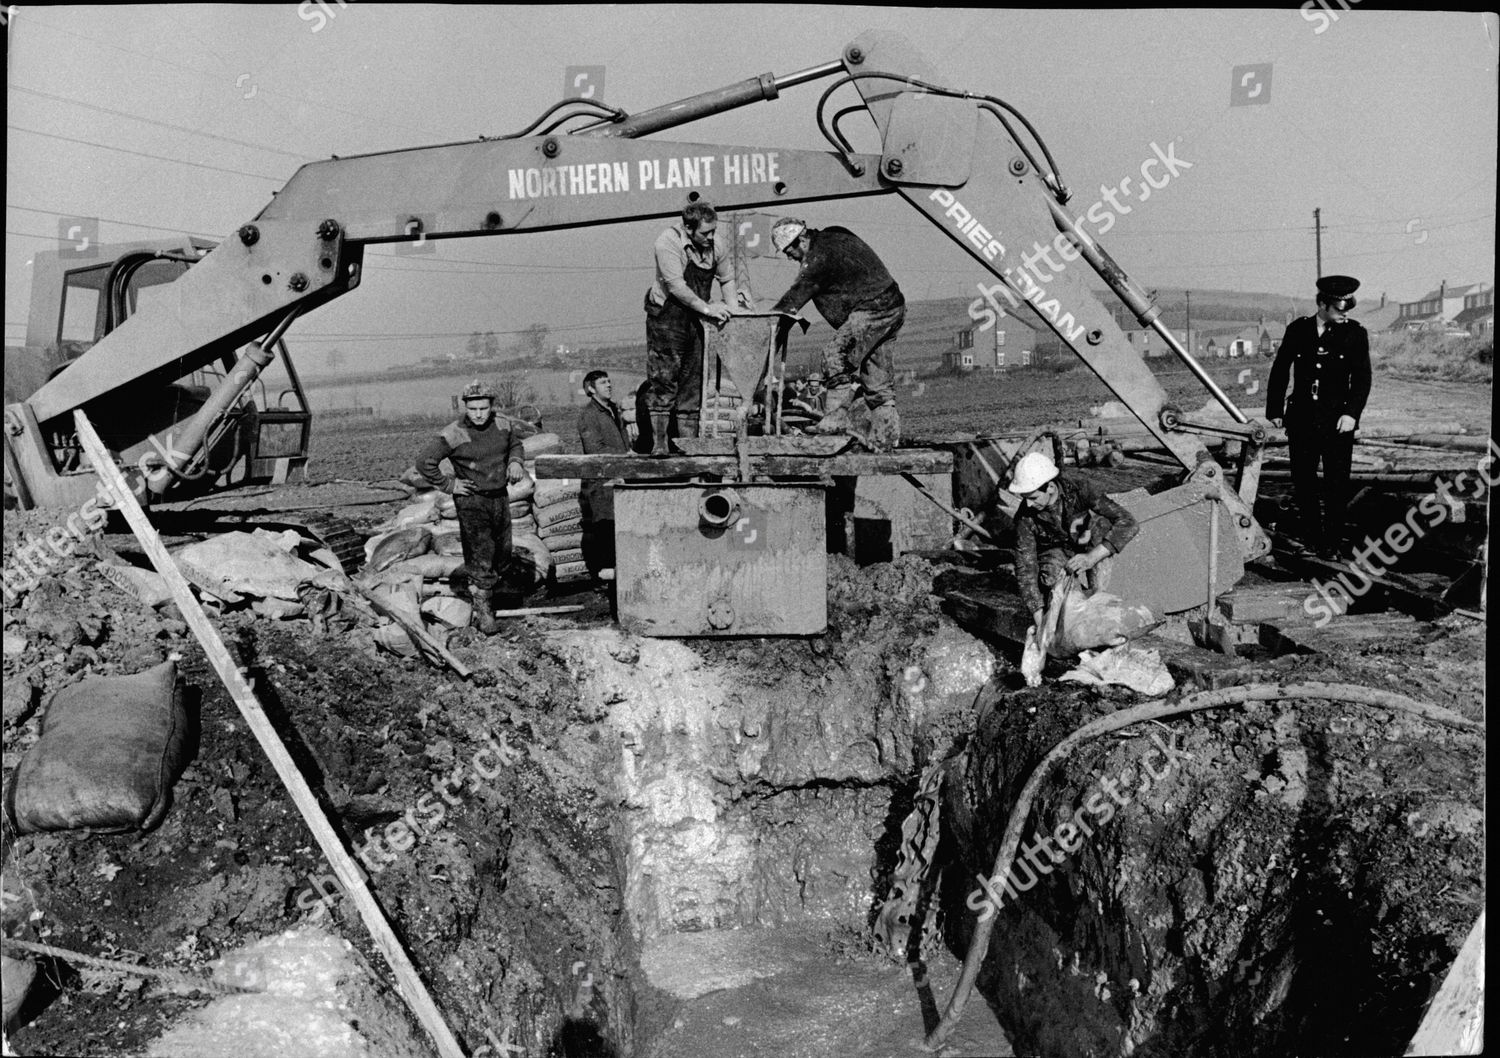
x=1332, y=375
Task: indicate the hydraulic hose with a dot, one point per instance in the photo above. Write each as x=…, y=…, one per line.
x=979, y=946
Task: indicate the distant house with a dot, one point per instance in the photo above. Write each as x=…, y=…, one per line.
x=961, y=357
x=1478, y=314
x=1150, y=344
x=1435, y=310
x=1377, y=316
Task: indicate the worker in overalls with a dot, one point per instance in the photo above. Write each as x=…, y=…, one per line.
x=689, y=257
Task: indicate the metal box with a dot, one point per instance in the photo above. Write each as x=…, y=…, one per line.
x=725, y=559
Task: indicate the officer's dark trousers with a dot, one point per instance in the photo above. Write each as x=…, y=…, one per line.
x=484, y=528
x=1322, y=504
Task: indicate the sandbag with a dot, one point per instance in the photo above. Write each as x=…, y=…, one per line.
x=563, y=528
x=519, y=508
x=389, y=548
x=428, y=567
x=566, y=511
x=1088, y=622
x=1141, y=670
x=446, y=510
x=147, y=585
x=422, y=512
x=521, y=490
x=571, y=570
x=109, y=752
x=393, y=637
x=448, y=610
x=446, y=543
x=540, y=444
x=562, y=541
x=550, y=491
x=524, y=526
x=533, y=547
x=236, y=564
x=563, y=557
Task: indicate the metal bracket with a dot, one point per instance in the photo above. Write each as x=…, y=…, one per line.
x=1251, y=432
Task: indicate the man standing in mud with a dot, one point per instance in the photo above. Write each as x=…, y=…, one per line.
x=855, y=293
x=486, y=458
x=1331, y=356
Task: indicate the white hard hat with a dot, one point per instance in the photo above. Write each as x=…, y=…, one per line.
x=785, y=232
x=1033, y=470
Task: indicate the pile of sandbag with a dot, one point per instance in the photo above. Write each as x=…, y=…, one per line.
x=262, y=569
x=549, y=520
x=408, y=565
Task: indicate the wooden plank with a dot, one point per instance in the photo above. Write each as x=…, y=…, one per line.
x=1348, y=632
x=1454, y=1023
x=408, y=983
x=1267, y=603
x=647, y=468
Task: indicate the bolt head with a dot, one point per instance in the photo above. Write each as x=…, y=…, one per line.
x=550, y=148
x=328, y=230
x=298, y=282
x=894, y=166
x=856, y=55
x=249, y=235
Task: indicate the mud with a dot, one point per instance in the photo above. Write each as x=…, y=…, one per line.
x=1298, y=883
x=685, y=849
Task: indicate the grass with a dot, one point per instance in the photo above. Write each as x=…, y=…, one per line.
x=1434, y=357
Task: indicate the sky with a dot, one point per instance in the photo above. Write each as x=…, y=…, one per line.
x=168, y=119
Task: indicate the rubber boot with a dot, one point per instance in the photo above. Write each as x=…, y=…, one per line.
x=660, y=445
x=836, y=418
x=687, y=424
x=885, y=428
x=484, y=611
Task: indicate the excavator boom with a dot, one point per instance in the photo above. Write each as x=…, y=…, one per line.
x=954, y=156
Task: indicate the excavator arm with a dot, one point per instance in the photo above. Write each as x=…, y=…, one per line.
x=954, y=156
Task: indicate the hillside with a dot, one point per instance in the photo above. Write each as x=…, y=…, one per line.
x=931, y=329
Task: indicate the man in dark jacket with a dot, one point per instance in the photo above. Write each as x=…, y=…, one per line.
x=601, y=429
x=855, y=293
x=1066, y=524
x=486, y=457
x=1331, y=357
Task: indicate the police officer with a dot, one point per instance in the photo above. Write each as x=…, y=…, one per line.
x=1329, y=355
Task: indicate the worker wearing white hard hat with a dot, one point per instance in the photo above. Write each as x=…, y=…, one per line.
x=1066, y=524
x=855, y=293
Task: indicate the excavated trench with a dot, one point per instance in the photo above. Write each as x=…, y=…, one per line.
x=1289, y=877
x=688, y=854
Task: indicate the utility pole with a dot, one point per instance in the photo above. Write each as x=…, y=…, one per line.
x=1189, y=294
x=1318, y=237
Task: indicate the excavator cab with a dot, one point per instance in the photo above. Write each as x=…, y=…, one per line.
x=77, y=301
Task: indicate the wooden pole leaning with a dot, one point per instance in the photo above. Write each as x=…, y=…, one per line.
x=408, y=982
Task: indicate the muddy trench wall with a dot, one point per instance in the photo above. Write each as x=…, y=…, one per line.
x=755, y=781
x=1272, y=881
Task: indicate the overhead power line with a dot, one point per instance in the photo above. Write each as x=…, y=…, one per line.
x=159, y=124
x=145, y=154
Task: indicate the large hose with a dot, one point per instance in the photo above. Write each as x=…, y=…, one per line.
x=979, y=946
